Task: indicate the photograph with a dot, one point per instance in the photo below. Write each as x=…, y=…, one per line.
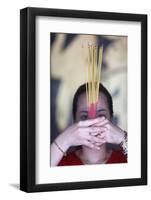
x=88, y=89
x=83, y=94
x=74, y=100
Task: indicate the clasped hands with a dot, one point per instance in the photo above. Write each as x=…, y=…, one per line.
x=93, y=133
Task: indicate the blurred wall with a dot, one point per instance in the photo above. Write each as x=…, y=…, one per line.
x=68, y=58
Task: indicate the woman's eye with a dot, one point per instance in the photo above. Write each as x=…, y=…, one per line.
x=83, y=117
x=100, y=115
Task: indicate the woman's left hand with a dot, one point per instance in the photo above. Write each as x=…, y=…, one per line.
x=110, y=132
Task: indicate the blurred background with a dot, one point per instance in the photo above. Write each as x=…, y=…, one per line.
x=68, y=54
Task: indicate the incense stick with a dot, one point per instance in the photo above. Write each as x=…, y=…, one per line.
x=93, y=78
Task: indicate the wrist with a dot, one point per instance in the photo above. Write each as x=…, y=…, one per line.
x=121, y=136
x=123, y=143
x=62, y=142
x=124, y=138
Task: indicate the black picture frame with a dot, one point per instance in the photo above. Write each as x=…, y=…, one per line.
x=28, y=98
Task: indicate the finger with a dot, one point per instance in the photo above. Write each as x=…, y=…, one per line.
x=92, y=129
x=95, y=133
x=102, y=138
x=100, y=131
x=100, y=144
x=88, y=144
x=96, y=147
x=91, y=145
x=86, y=132
x=102, y=123
x=94, y=139
x=103, y=134
x=90, y=122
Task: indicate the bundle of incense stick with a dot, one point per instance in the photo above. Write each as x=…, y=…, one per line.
x=93, y=78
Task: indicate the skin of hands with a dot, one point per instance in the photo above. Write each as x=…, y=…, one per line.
x=110, y=132
x=82, y=133
x=91, y=133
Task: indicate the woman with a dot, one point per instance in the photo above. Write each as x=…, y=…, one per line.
x=92, y=135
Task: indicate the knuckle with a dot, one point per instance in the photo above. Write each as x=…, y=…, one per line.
x=108, y=126
x=98, y=140
x=92, y=128
x=106, y=120
x=102, y=118
x=79, y=123
x=85, y=142
x=78, y=129
x=91, y=138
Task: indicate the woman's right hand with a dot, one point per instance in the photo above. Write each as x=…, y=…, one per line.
x=81, y=133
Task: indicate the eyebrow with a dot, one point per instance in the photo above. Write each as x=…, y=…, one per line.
x=101, y=110
x=85, y=111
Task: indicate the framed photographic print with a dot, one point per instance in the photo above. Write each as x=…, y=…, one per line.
x=83, y=99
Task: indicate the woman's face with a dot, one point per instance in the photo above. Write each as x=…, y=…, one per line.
x=102, y=108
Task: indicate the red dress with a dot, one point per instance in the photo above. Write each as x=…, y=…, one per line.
x=71, y=159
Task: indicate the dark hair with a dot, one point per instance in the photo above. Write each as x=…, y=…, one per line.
x=82, y=89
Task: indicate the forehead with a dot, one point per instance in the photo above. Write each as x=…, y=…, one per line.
x=82, y=102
